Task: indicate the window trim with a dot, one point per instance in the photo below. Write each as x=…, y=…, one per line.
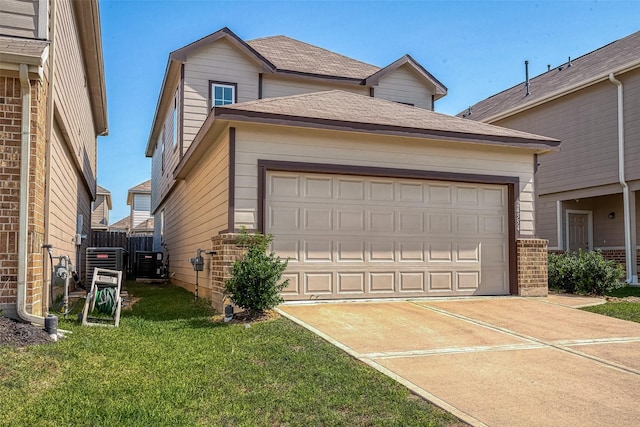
x=212, y=83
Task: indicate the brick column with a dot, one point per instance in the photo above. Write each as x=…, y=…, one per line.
x=532, y=267
x=227, y=252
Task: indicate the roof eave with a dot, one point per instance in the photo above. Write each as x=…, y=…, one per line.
x=440, y=89
x=560, y=93
x=182, y=53
x=171, y=75
x=229, y=115
x=87, y=16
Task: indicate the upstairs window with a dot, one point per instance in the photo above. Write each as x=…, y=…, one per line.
x=175, y=120
x=222, y=93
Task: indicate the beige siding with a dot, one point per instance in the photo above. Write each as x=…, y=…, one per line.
x=71, y=95
x=606, y=231
x=403, y=85
x=297, y=145
x=222, y=62
x=140, y=209
x=196, y=211
x=69, y=198
x=273, y=86
x=546, y=220
x=100, y=214
x=586, y=123
x=631, y=83
x=20, y=18
x=162, y=170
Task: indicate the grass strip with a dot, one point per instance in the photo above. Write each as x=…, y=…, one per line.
x=171, y=363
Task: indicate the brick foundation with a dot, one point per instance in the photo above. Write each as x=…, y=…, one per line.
x=532, y=267
x=620, y=256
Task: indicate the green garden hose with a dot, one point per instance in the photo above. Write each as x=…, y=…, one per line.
x=105, y=301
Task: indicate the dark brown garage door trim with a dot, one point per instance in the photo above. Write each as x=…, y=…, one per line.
x=511, y=182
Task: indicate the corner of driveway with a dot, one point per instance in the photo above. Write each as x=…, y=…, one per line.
x=500, y=361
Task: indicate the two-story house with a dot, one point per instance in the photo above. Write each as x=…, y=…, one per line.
x=52, y=108
x=139, y=221
x=367, y=191
x=100, y=208
x=586, y=193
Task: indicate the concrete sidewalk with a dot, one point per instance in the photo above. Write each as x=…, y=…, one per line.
x=495, y=361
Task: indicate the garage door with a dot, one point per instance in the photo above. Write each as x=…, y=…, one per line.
x=369, y=237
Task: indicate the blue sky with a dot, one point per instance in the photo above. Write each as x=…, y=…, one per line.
x=475, y=48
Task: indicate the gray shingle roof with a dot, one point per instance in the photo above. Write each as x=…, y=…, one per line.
x=293, y=55
x=366, y=113
x=144, y=187
x=592, y=67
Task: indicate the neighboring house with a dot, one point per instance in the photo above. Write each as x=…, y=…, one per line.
x=139, y=221
x=586, y=193
x=123, y=225
x=53, y=106
x=139, y=198
x=366, y=197
x=100, y=209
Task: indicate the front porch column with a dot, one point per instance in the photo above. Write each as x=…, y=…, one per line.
x=532, y=267
x=630, y=240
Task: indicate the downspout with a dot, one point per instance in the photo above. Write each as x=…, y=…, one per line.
x=23, y=231
x=46, y=289
x=629, y=250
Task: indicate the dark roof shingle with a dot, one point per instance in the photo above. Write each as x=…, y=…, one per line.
x=592, y=67
x=288, y=54
x=347, y=107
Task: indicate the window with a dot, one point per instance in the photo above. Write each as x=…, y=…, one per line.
x=162, y=225
x=222, y=93
x=175, y=120
x=161, y=143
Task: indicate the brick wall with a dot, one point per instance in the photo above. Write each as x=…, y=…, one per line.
x=532, y=267
x=620, y=256
x=10, y=151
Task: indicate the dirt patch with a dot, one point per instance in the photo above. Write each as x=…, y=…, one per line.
x=625, y=299
x=18, y=334
x=246, y=317
x=128, y=303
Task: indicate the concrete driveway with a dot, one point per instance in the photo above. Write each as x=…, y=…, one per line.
x=495, y=361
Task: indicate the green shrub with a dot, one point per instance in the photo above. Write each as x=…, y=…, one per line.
x=255, y=279
x=584, y=273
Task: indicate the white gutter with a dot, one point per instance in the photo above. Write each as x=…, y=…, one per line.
x=23, y=231
x=628, y=246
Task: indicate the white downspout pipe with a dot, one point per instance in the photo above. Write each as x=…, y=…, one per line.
x=629, y=249
x=23, y=231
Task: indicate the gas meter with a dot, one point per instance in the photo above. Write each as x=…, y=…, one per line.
x=197, y=262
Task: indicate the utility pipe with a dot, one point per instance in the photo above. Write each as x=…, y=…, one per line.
x=23, y=231
x=629, y=249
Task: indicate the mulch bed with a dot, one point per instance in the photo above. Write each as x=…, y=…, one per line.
x=18, y=334
x=246, y=317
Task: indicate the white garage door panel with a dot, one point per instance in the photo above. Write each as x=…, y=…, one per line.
x=362, y=237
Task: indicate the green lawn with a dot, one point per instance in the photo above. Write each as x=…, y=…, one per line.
x=169, y=364
x=622, y=310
